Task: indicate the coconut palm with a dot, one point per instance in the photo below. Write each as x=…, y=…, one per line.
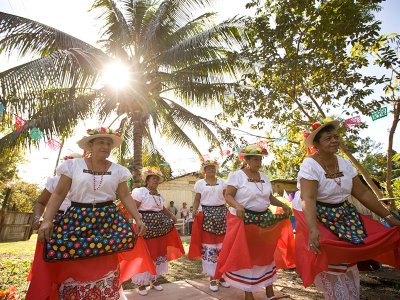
x=175, y=60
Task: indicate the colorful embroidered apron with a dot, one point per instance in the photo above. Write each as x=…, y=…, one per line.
x=263, y=219
x=214, y=219
x=84, y=232
x=157, y=223
x=343, y=220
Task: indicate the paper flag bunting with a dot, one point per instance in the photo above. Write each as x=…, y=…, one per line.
x=352, y=121
x=53, y=144
x=2, y=108
x=19, y=123
x=36, y=134
x=225, y=152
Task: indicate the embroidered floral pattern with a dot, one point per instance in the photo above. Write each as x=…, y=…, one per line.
x=104, y=289
x=214, y=220
x=161, y=260
x=85, y=232
x=263, y=219
x=343, y=221
x=157, y=223
x=209, y=254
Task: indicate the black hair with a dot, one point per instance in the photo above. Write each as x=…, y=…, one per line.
x=327, y=128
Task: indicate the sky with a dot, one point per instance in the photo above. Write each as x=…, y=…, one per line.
x=72, y=17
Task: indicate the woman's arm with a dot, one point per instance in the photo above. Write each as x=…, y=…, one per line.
x=196, y=204
x=39, y=207
x=169, y=214
x=54, y=203
x=130, y=205
x=229, y=197
x=274, y=201
x=370, y=201
x=309, y=189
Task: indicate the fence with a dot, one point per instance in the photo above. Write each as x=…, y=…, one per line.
x=15, y=226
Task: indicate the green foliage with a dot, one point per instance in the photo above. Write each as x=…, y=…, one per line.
x=23, y=196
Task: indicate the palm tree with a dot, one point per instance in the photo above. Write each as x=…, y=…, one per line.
x=175, y=60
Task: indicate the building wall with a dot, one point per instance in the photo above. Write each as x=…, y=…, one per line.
x=179, y=190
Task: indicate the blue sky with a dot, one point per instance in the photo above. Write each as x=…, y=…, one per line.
x=72, y=17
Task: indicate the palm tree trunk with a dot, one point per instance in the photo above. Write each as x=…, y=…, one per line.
x=363, y=172
x=389, y=163
x=137, y=152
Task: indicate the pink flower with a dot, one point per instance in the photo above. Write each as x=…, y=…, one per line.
x=102, y=130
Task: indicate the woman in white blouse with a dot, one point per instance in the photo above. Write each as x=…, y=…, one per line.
x=331, y=236
x=162, y=238
x=247, y=259
x=209, y=228
x=91, y=250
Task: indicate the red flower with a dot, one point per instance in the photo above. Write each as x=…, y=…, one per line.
x=93, y=294
x=306, y=134
x=102, y=130
x=71, y=293
x=316, y=125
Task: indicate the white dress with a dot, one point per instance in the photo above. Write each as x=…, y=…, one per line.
x=210, y=196
x=342, y=281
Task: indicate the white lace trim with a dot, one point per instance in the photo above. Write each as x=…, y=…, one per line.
x=344, y=286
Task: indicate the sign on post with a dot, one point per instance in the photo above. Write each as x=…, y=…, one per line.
x=379, y=113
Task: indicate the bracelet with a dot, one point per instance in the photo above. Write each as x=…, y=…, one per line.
x=36, y=218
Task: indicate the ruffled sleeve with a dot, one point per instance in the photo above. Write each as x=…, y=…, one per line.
x=197, y=187
x=350, y=169
x=50, y=185
x=124, y=174
x=137, y=194
x=66, y=168
x=308, y=170
x=233, y=179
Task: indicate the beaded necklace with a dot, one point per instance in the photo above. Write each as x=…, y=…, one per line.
x=94, y=176
x=158, y=203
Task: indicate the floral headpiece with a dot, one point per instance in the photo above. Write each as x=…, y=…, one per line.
x=209, y=162
x=97, y=133
x=310, y=134
x=102, y=130
x=253, y=149
x=152, y=171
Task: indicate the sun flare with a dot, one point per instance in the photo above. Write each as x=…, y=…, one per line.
x=116, y=75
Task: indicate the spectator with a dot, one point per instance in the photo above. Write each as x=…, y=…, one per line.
x=189, y=220
x=172, y=208
x=184, y=211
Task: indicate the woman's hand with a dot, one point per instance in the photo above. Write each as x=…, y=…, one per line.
x=240, y=211
x=286, y=209
x=140, y=227
x=313, y=241
x=45, y=231
x=195, y=213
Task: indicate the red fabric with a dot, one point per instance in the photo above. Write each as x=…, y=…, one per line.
x=201, y=237
x=246, y=246
x=382, y=244
x=169, y=245
x=46, y=276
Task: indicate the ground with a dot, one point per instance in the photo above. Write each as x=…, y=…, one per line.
x=15, y=261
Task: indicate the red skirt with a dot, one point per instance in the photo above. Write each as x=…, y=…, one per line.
x=246, y=246
x=45, y=277
x=199, y=236
x=381, y=244
x=169, y=245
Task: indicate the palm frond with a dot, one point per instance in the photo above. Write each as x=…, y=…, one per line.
x=73, y=68
x=65, y=112
x=30, y=37
x=116, y=34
